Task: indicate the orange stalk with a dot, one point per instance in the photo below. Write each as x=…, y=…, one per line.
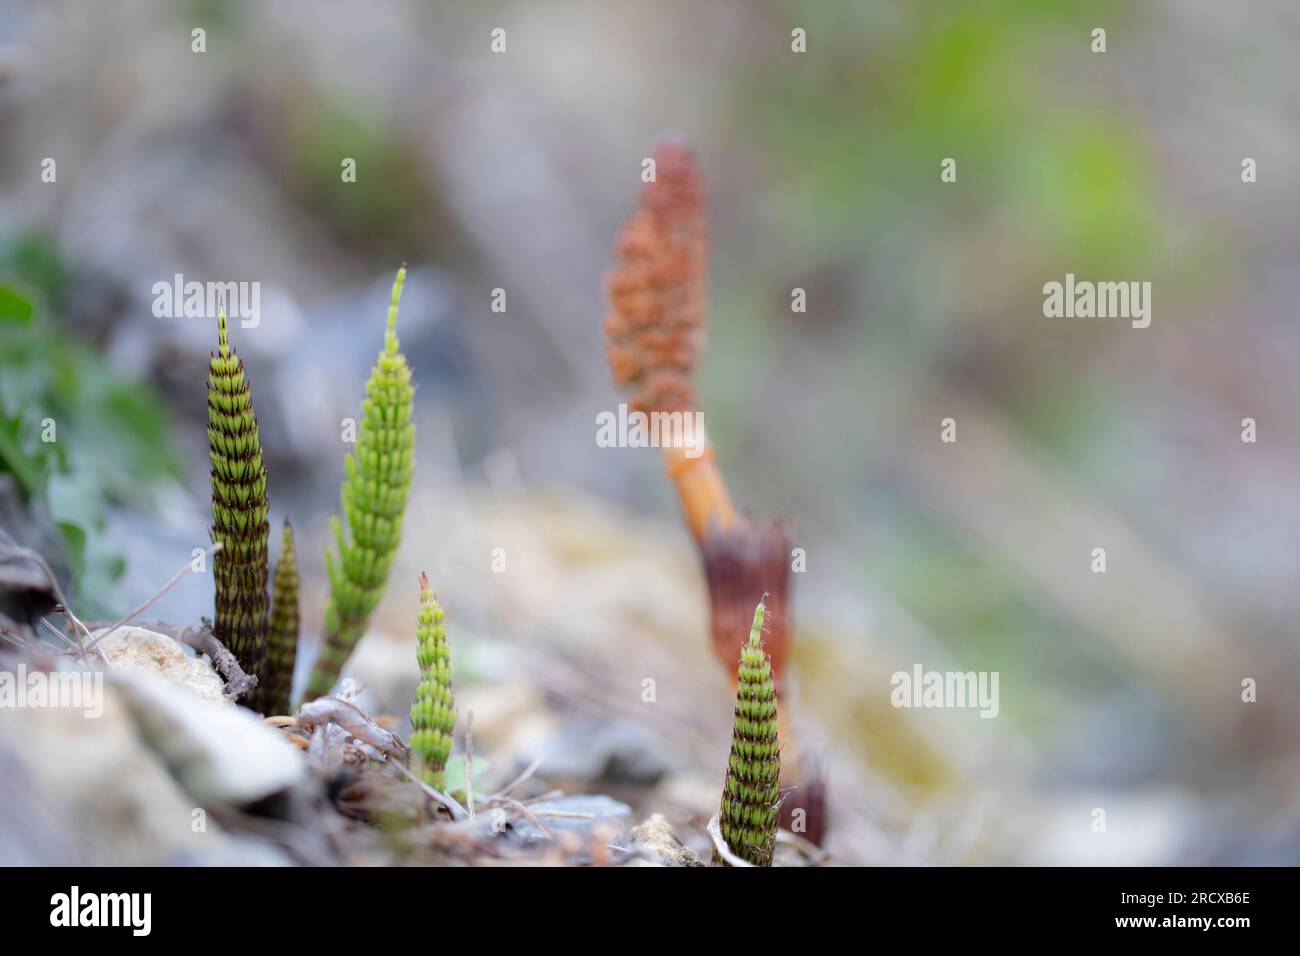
x=702, y=490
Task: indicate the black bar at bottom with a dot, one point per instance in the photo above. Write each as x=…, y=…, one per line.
x=332, y=907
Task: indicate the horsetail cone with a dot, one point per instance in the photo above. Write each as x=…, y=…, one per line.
x=239, y=509
x=433, y=716
x=751, y=801
x=273, y=692
x=373, y=497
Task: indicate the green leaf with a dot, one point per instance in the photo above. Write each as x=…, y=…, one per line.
x=113, y=432
x=75, y=499
x=14, y=306
x=25, y=468
x=456, y=771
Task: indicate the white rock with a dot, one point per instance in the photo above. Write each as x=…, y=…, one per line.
x=219, y=752
x=79, y=791
x=655, y=838
x=141, y=650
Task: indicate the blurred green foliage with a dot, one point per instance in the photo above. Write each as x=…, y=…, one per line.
x=75, y=435
x=1055, y=174
x=390, y=207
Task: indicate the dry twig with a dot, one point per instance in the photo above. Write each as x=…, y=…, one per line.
x=469, y=761
x=331, y=710
x=455, y=809
x=531, y=769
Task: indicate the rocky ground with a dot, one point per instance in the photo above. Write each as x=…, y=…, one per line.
x=571, y=762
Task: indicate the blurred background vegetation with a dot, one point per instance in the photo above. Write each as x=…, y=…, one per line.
x=116, y=444
x=924, y=301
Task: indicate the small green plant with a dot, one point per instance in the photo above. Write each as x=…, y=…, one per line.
x=273, y=693
x=433, y=715
x=373, y=497
x=751, y=801
x=239, y=509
